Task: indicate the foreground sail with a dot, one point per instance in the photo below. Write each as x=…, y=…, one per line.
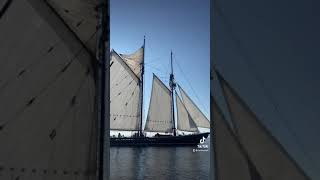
x=265, y=152
x=198, y=117
x=124, y=95
x=231, y=161
x=159, y=115
x=48, y=123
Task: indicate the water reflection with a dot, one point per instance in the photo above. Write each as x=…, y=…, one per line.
x=168, y=163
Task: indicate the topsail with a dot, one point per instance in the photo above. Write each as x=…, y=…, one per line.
x=48, y=124
x=134, y=61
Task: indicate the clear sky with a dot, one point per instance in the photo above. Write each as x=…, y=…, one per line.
x=269, y=51
x=168, y=25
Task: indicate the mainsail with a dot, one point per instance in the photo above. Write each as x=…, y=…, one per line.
x=159, y=117
x=231, y=161
x=198, y=117
x=124, y=95
x=265, y=152
x=48, y=124
x=184, y=120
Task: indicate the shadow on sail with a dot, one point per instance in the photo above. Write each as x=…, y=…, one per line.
x=48, y=89
x=249, y=147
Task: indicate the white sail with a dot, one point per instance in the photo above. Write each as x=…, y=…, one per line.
x=265, y=152
x=134, y=61
x=198, y=117
x=159, y=117
x=184, y=120
x=124, y=95
x=231, y=161
x=48, y=124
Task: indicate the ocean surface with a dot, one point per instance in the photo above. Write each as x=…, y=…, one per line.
x=158, y=163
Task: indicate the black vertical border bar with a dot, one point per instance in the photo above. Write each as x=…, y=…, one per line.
x=104, y=95
x=107, y=96
x=213, y=174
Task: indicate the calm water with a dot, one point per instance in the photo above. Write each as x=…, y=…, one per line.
x=158, y=163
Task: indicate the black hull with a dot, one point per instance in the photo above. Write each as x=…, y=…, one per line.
x=186, y=140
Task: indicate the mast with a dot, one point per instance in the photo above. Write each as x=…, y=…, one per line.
x=141, y=85
x=172, y=86
x=102, y=49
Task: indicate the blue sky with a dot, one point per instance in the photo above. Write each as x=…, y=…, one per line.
x=168, y=25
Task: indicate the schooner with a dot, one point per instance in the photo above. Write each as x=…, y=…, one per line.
x=126, y=97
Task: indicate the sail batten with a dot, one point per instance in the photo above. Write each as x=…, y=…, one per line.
x=198, y=117
x=159, y=117
x=265, y=152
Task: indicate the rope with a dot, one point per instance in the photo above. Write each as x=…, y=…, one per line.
x=194, y=92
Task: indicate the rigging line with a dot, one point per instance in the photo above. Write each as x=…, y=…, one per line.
x=247, y=59
x=153, y=61
x=155, y=68
x=185, y=77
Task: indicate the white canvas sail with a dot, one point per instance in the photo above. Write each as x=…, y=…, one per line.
x=48, y=124
x=230, y=160
x=124, y=95
x=159, y=117
x=198, y=117
x=265, y=152
x=134, y=61
x=184, y=120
